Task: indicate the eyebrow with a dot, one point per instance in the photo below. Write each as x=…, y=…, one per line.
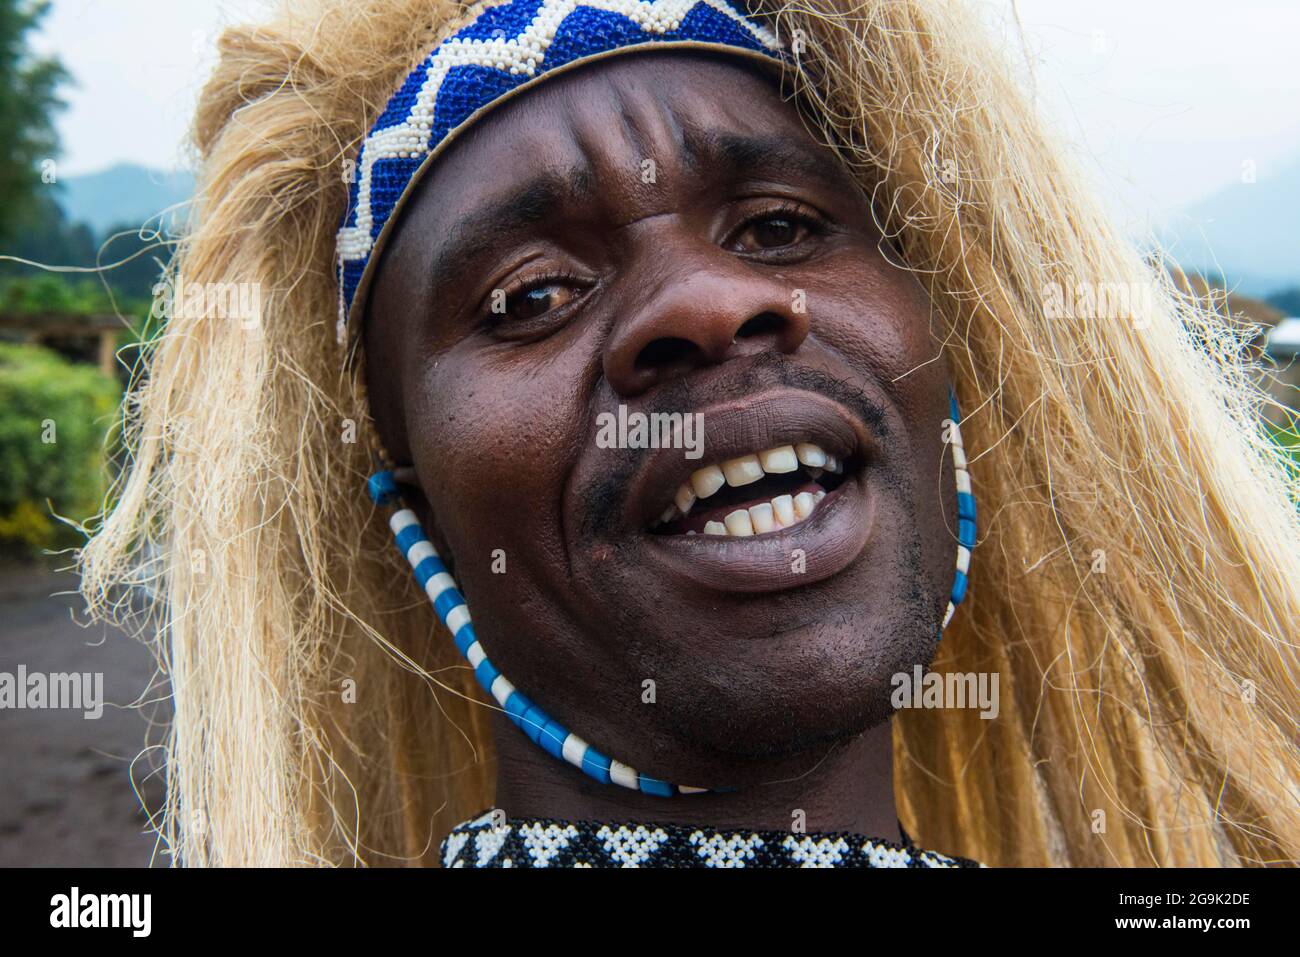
x=709, y=155
x=736, y=156
x=493, y=223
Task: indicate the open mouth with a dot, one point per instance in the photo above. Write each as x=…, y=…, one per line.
x=785, y=497
x=756, y=494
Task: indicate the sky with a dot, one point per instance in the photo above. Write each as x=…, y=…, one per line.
x=1163, y=100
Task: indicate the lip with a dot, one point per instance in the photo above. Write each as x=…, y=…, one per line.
x=830, y=539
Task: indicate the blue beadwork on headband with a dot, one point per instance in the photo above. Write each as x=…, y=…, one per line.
x=507, y=46
x=541, y=728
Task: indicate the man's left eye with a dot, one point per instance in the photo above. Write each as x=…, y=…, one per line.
x=775, y=230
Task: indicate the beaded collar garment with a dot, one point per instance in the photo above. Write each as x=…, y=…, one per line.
x=536, y=842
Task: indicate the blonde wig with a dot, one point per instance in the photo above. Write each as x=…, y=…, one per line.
x=1137, y=582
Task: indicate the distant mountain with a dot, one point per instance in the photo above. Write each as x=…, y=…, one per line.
x=1247, y=232
x=124, y=195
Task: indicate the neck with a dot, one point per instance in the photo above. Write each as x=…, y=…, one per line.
x=848, y=787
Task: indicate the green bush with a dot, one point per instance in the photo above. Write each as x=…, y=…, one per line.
x=55, y=294
x=54, y=416
x=1288, y=437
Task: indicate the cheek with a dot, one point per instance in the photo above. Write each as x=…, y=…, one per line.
x=492, y=437
x=880, y=319
x=880, y=322
x=877, y=320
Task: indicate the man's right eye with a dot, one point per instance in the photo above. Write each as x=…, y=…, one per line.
x=539, y=299
x=533, y=300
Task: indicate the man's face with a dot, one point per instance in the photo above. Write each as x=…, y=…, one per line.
x=660, y=232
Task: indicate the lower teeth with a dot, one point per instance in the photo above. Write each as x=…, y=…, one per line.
x=782, y=512
x=800, y=494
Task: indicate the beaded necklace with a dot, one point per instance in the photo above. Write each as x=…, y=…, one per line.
x=488, y=841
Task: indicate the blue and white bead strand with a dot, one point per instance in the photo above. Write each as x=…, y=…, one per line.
x=965, y=513
x=452, y=611
x=541, y=728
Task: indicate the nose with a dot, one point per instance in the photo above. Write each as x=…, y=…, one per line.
x=700, y=318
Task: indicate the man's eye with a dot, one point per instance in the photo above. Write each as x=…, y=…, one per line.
x=538, y=300
x=775, y=230
x=534, y=298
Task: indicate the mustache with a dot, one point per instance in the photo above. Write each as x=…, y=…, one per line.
x=604, y=495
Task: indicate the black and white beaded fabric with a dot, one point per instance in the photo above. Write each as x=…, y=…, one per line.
x=531, y=842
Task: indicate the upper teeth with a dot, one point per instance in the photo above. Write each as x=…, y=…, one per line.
x=747, y=469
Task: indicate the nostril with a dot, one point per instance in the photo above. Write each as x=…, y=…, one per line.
x=761, y=325
x=667, y=352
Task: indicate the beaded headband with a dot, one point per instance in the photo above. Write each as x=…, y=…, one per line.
x=543, y=730
x=506, y=48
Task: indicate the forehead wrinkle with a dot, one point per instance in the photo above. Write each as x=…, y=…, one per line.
x=649, y=120
x=613, y=149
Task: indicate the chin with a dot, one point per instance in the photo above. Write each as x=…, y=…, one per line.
x=815, y=687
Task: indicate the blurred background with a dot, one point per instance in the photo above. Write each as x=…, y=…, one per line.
x=1186, y=115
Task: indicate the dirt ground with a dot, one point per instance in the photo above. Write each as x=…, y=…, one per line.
x=67, y=796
